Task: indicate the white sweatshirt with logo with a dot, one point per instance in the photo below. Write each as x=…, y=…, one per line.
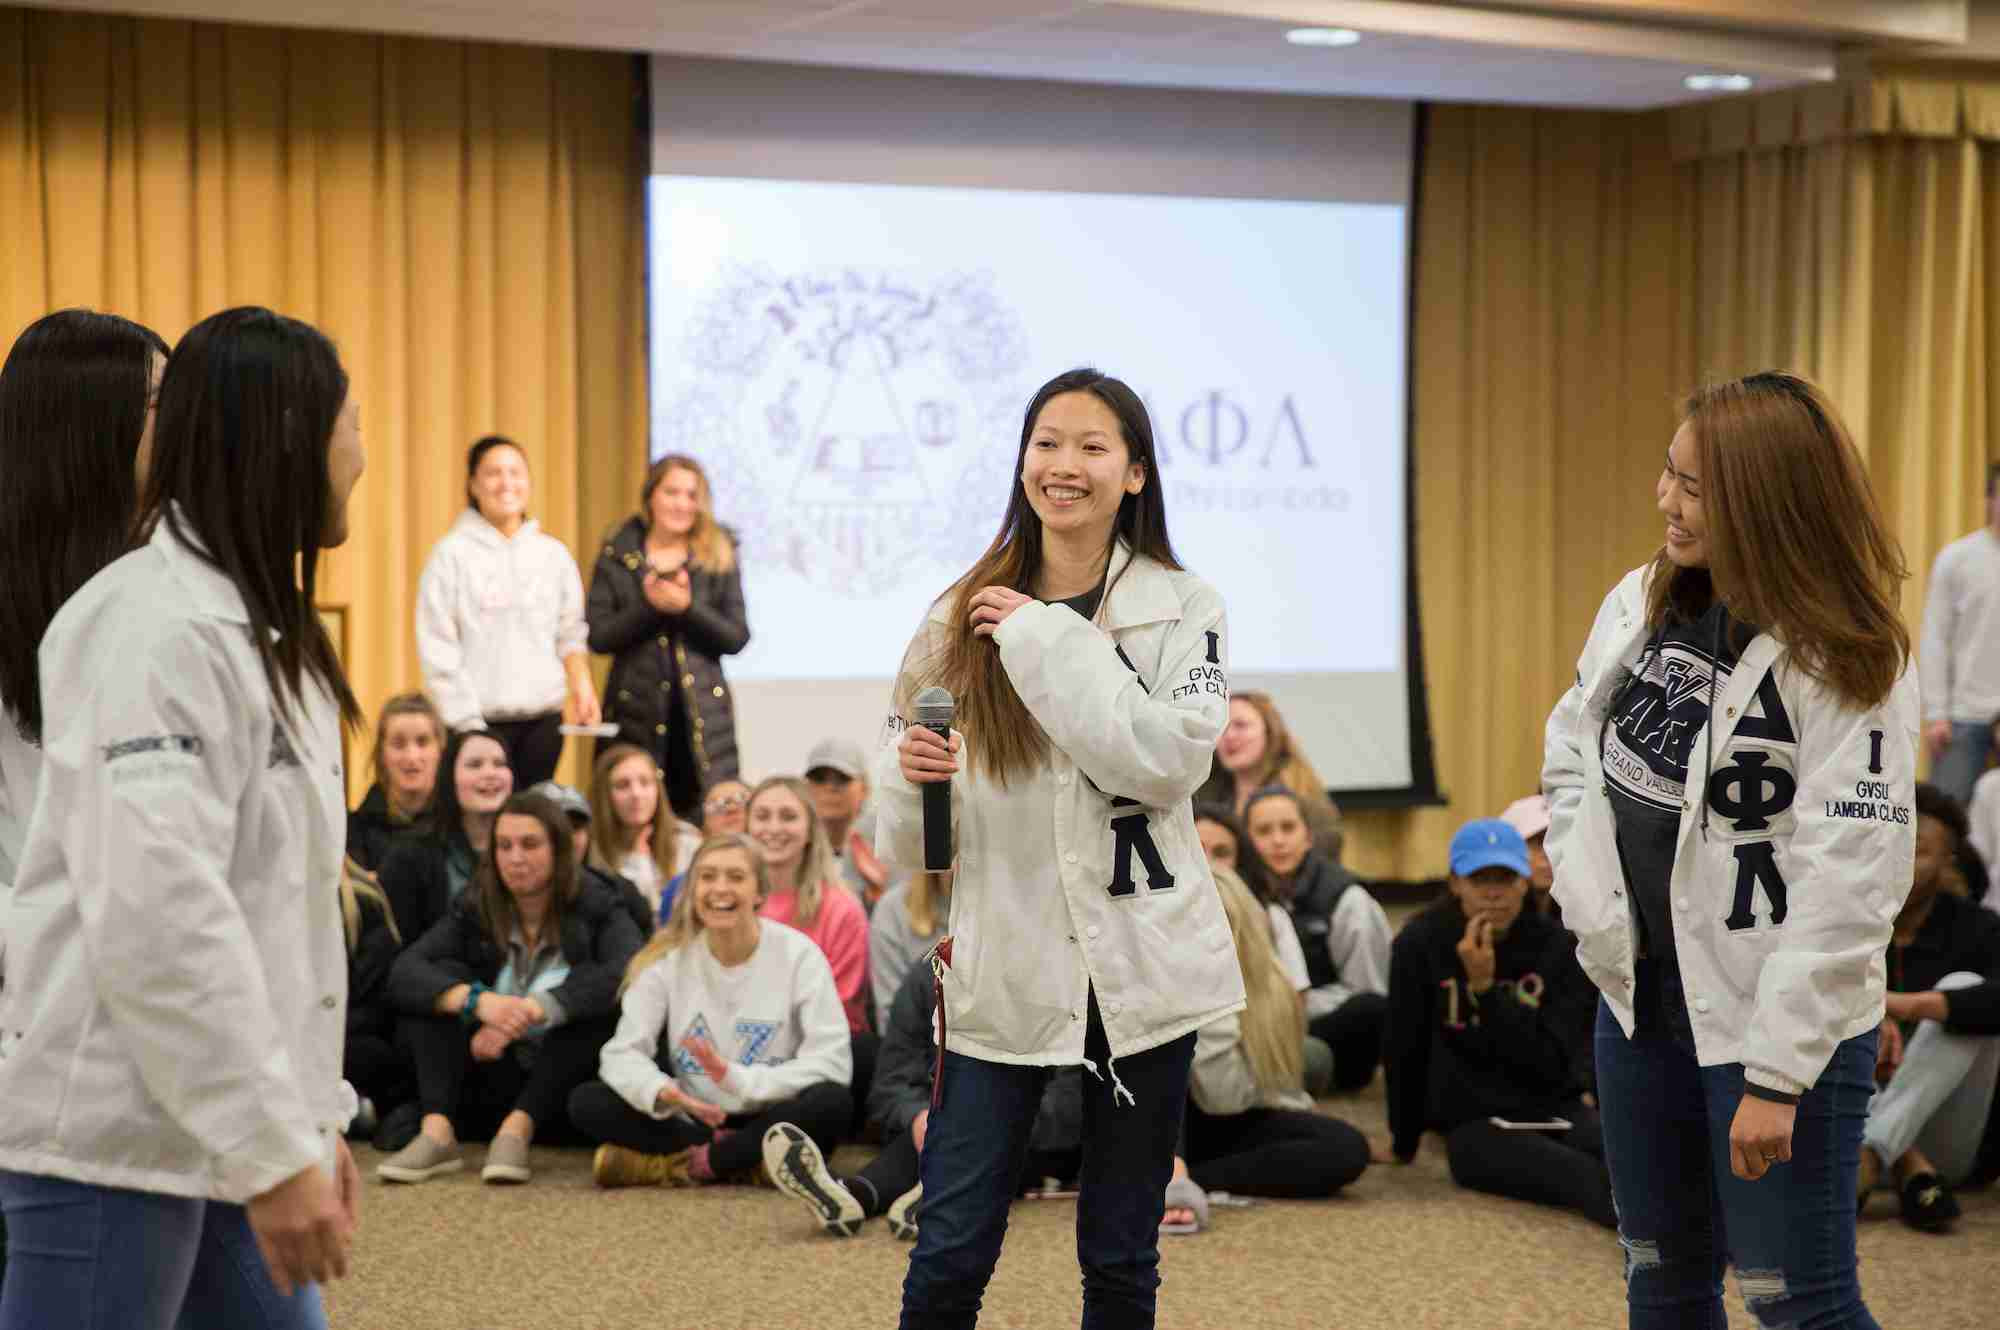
x=496, y=616
x=775, y=1019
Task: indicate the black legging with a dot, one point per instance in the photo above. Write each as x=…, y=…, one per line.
x=477, y=1096
x=1354, y=1031
x=379, y=1071
x=534, y=745
x=1563, y=1169
x=1286, y=1153
x=820, y=1111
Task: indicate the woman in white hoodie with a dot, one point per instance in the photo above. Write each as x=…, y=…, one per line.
x=500, y=629
x=729, y=1025
x=177, y=970
x=1731, y=789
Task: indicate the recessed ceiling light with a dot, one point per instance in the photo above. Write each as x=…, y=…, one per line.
x=1718, y=82
x=1322, y=36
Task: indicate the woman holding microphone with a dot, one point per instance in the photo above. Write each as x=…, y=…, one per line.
x=177, y=971
x=1731, y=783
x=1088, y=669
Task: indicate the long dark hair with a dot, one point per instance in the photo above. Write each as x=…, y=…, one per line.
x=239, y=473
x=447, y=815
x=497, y=915
x=1004, y=737
x=73, y=399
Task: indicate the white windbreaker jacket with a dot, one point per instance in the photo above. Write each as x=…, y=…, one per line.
x=1784, y=902
x=496, y=617
x=1089, y=872
x=175, y=1007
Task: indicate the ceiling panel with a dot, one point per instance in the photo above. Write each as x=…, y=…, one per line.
x=1609, y=53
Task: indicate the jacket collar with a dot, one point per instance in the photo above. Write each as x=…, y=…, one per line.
x=1141, y=592
x=203, y=584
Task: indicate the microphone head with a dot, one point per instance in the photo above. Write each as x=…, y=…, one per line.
x=934, y=707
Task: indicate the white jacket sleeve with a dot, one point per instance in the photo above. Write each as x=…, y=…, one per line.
x=145, y=772
x=440, y=650
x=1846, y=878
x=1984, y=814
x=824, y=1051
x=1562, y=744
x=627, y=1063
x=1358, y=939
x=1935, y=648
x=1154, y=746
x=1291, y=956
x=572, y=633
x=1220, y=1082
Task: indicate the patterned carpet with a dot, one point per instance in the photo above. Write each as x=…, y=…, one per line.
x=1405, y=1249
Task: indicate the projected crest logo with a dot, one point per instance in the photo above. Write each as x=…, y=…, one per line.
x=859, y=425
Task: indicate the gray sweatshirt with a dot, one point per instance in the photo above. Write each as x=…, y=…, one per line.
x=1958, y=661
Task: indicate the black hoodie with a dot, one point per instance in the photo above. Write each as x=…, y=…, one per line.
x=371, y=828
x=1518, y=1050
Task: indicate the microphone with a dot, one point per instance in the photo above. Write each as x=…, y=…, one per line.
x=934, y=709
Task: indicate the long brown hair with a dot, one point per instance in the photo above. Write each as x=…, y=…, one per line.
x=684, y=922
x=928, y=894
x=1004, y=739
x=1273, y=1026
x=709, y=546
x=607, y=843
x=818, y=871
x=1796, y=541
x=357, y=884
x=497, y=915
x=405, y=704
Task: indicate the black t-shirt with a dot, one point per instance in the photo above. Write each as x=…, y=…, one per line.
x=1085, y=604
x=1648, y=747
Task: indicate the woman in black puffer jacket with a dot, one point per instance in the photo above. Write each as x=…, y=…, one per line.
x=666, y=603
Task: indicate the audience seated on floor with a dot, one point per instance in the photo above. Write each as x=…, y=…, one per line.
x=1487, y=1012
x=430, y=866
x=1255, y=750
x=906, y=924
x=1342, y=929
x=1222, y=841
x=507, y=1000
x=898, y=1107
x=371, y=1062
x=806, y=893
x=837, y=772
x=1529, y=815
x=1250, y=1128
x=575, y=809
x=729, y=1023
x=1940, y=1050
x=634, y=834
x=725, y=810
x=409, y=743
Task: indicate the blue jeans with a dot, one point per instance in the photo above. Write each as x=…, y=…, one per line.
x=1958, y=767
x=1683, y=1216
x=98, y=1258
x=974, y=1147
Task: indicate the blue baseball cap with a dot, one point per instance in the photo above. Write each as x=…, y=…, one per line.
x=1488, y=842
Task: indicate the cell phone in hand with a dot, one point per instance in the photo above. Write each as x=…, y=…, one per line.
x=1543, y=1124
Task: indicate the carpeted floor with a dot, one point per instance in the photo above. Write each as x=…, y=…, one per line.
x=1404, y=1249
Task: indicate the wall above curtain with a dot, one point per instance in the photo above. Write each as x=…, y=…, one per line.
x=463, y=219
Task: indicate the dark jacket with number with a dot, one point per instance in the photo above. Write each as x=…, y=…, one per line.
x=598, y=940
x=1958, y=937
x=1518, y=1050
x=651, y=651
x=902, y=1087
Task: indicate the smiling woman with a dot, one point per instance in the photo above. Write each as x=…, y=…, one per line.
x=729, y=1026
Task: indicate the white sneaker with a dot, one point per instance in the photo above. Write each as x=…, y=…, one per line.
x=903, y=1213
x=796, y=1166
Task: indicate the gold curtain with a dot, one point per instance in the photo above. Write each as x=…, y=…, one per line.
x=464, y=219
x=1549, y=350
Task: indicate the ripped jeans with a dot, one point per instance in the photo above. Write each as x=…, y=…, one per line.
x=1683, y=1216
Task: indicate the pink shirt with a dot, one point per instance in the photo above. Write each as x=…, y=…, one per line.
x=841, y=932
